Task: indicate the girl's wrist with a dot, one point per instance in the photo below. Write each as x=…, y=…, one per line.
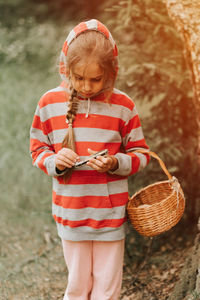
x=58, y=171
x=114, y=164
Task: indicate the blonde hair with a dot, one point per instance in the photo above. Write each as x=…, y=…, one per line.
x=90, y=44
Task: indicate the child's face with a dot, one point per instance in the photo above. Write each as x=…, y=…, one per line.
x=87, y=78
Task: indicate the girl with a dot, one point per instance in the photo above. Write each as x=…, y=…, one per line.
x=86, y=114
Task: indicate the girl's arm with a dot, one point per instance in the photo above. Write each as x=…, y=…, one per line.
x=42, y=151
x=126, y=163
x=130, y=162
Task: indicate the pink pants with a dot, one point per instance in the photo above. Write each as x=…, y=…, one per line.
x=94, y=269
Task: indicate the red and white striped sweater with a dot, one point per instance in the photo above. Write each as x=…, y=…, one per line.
x=91, y=205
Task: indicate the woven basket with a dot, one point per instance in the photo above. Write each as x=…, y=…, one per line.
x=158, y=207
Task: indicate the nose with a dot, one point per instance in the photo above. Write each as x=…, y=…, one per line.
x=87, y=86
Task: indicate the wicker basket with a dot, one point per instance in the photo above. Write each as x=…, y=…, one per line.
x=158, y=207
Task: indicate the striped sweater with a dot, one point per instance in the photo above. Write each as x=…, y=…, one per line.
x=91, y=206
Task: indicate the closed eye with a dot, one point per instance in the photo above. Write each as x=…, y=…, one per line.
x=96, y=79
x=79, y=78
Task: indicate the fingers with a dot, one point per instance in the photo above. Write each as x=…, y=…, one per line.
x=66, y=158
x=100, y=164
x=90, y=151
x=65, y=162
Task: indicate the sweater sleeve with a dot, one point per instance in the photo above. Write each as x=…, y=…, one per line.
x=132, y=139
x=42, y=152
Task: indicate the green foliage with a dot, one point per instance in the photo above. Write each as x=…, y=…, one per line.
x=60, y=11
x=22, y=85
x=19, y=92
x=32, y=43
x=153, y=71
x=34, y=31
x=13, y=10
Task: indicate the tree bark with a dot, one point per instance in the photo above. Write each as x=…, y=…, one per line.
x=188, y=286
x=186, y=17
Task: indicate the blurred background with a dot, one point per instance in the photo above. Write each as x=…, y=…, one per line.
x=153, y=72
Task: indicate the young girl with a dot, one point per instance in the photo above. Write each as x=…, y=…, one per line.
x=86, y=114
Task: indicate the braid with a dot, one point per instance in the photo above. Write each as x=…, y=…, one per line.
x=69, y=141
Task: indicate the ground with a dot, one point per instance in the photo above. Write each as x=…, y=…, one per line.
x=158, y=273
x=32, y=265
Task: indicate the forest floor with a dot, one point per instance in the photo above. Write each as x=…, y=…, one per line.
x=32, y=266
x=156, y=275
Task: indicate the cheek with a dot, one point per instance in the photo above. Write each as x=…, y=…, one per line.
x=75, y=84
x=99, y=86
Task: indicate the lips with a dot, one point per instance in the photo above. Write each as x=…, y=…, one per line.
x=86, y=95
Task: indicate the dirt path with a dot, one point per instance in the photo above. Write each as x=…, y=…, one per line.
x=161, y=271
x=32, y=267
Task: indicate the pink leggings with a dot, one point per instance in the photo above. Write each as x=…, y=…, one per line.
x=94, y=269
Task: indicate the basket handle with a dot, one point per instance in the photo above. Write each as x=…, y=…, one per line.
x=153, y=154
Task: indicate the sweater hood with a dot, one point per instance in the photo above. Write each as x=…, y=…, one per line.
x=80, y=28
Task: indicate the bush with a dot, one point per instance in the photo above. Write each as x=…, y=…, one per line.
x=153, y=71
x=31, y=43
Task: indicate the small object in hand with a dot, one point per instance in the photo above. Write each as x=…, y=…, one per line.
x=99, y=153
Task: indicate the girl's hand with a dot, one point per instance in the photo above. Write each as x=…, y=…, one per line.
x=103, y=163
x=66, y=158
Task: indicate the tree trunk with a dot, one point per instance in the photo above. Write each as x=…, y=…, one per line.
x=188, y=286
x=186, y=17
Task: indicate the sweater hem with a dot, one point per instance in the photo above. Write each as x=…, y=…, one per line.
x=83, y=234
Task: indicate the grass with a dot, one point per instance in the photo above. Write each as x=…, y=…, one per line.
x=28, y=233
x=20, y=90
